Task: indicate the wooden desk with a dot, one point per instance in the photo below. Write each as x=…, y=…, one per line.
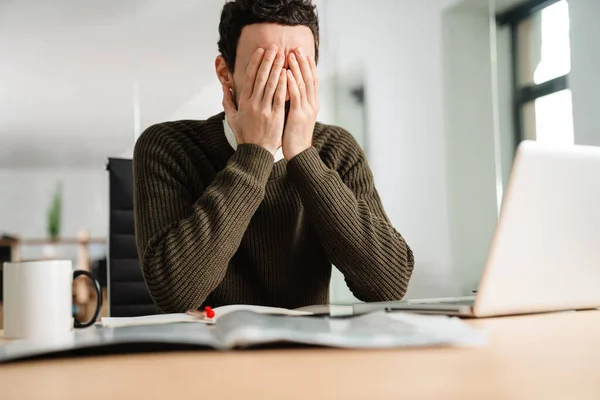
x=551, y=356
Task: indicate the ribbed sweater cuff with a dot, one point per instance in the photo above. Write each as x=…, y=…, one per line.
x=321, y=189
x=255, y=160
x=307, y=167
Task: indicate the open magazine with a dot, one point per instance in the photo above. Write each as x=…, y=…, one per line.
x=247, y=329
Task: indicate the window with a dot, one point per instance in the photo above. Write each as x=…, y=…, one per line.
x=541, y=66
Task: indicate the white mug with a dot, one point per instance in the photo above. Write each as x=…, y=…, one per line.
x=38, y=299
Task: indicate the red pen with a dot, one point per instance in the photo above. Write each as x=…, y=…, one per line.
x=209, y=312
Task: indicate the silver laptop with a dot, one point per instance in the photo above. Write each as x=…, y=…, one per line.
x=545, y=253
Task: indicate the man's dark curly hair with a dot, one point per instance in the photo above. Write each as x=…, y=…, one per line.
x=239, y=13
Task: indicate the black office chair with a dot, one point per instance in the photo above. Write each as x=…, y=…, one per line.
x=5, y=255
x=127, y=292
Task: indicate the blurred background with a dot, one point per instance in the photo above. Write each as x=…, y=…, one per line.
x=438, y=92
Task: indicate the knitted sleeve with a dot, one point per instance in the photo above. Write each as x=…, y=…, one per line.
x=185, y=246
x=353, y=227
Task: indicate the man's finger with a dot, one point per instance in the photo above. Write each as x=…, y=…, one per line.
x=297, y=75
x=228, y=104
x=315, y=75
x=279, y=99
x=295, y=97
x=273, y=81
x=251, y=71
x=307, y=75
x=263, y=73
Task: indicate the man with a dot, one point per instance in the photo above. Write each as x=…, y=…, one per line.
x=253, y=206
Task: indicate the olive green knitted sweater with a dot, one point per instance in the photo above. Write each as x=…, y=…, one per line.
x=216, y=226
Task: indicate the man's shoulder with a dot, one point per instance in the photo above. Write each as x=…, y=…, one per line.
x=178, y=129
x=179, y=133
x=336, y=141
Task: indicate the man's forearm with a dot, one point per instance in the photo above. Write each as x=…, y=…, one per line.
x=374, y=258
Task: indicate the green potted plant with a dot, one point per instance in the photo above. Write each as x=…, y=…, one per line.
x=55, y=213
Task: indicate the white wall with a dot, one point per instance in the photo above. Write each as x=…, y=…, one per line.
x=584, y=80
x=398, y=43
x=505, y=101
x=25, y=195
x=470, y=146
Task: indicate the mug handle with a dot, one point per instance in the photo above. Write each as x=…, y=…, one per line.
x=78, y=324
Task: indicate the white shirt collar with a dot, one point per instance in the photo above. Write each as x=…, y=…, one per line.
x=233, y=142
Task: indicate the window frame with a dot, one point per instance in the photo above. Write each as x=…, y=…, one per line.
x=523, y=94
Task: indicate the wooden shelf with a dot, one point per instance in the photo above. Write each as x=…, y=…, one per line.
x=82, y=242
x=61, y=241
x=43, y=242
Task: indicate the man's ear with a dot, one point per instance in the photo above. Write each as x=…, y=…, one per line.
x=223, y=73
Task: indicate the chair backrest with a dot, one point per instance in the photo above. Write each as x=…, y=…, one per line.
x=4, y=253
x=127, y=292
x=4, y=257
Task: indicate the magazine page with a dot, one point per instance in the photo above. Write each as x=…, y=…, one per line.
x=244, y=329
x=97, y=341
x=196, y=316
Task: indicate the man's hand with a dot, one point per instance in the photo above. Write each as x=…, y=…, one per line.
x=260, y=115
x=303, y=86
